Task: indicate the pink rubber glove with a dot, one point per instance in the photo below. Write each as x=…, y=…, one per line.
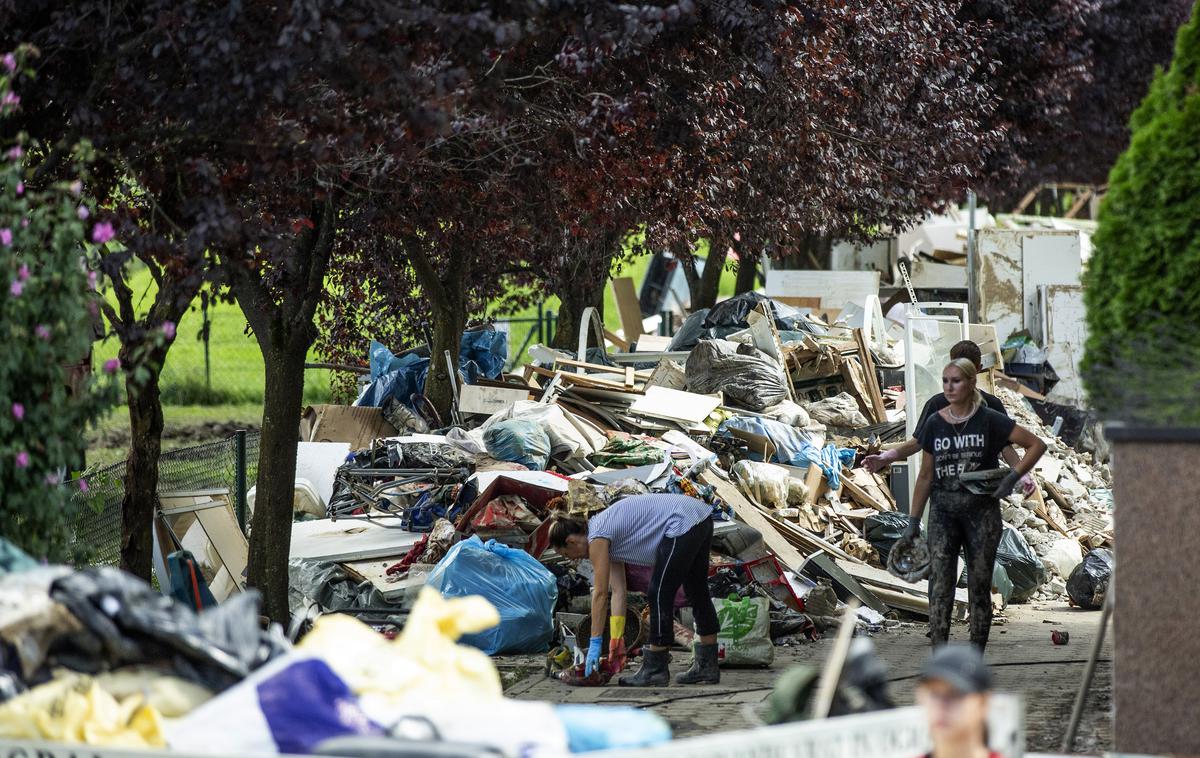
x=1028, y=485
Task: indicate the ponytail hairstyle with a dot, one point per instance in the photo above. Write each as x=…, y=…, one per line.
x=563, y=525
x=967, y=367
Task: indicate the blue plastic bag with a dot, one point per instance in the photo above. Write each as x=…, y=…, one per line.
x=522, y=589
x=520, y=441
x=603, y=727
x=792, y=447
x=488, y=350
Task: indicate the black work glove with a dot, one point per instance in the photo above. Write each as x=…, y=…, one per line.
x=1005, y=488
x=912, y=530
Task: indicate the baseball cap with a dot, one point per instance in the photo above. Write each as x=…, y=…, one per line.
x=959, y=665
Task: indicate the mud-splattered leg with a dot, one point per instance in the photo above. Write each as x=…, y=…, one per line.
x=984, y=526
x=945, y=539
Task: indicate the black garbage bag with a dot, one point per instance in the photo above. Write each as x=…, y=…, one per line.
x=127, y=622
x=1088, y=584
x=1024, y=568
x=690, y=332
x=733, y=314
x=749, y=378
x=883, y=530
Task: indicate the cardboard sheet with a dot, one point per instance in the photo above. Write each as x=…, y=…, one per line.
x=688, y=407
x=354, y=425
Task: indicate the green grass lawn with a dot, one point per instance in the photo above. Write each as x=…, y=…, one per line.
x=235, y=364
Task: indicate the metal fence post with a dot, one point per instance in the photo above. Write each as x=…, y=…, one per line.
x=239, y=451
x=541, y=334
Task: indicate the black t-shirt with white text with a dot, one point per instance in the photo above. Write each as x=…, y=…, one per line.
x=973, y=445
x=939, y=401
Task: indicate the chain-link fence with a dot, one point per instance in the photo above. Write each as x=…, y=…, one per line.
x=212, y=465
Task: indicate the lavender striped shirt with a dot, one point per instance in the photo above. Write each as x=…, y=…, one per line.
x=635, y=525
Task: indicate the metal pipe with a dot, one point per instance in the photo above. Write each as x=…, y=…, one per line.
x=972, y=261
x=1088, y=673
x=239, y=451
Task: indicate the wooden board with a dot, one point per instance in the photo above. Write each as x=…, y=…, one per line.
x=652, y=343
x=789, y=557
x=348, y=540
x=628, y=307
x=862, y=487
x=676, y=405
x=823, y=565
x=874, y=577
x=834, y=288
x=856, y=385
x=868, y=364
x=389, y=587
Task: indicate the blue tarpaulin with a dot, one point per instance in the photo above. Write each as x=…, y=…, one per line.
x=481, y=353
x=792, y=446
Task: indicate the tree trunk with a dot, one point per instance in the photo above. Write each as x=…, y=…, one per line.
x=271, y=527
x=580, y=285
x=141, y=468
x=708, y=286
x=450, y=318
x=747, y=273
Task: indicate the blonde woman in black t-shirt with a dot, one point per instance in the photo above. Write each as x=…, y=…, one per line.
x=964, y=436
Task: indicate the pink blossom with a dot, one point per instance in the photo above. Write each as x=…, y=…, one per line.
x=168, y=329
x=102, y=232
x=83, y=485
x=20, y=188
x=10, y=98
x=24, y=223
x=10, y=62
x=111, y=365
x=42, y=331
x=83, y=212
x=23, y=273
x=5, y=236
x=18, y=411
x=54, y=479
x=76, y=187
x=15, y=152
x=16, y=288
x=22, y=459
x=92, y=279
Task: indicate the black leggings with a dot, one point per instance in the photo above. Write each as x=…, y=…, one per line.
x=959, y=520
x=681, y=560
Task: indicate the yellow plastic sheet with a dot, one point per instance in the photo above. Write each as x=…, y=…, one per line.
x=425, y=660
x=76, y=709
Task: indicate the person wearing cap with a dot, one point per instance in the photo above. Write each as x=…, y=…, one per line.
x=964, y=349
x=954, y=688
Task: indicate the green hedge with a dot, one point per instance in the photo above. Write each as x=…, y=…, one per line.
x=1142, y=363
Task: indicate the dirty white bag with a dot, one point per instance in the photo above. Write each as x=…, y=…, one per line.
x=1063, y=556
x=765, y=483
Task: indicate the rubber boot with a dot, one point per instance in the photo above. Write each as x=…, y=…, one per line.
x=704, y=668
x=653, y=673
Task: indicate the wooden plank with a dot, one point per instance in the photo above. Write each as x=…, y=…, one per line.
x=868, y=364
x=864, y=495
x=629, y=376
x=823, y=565
x=856, y=385
x=628, y=307
x=1058, y=497
x=874, y=577
x=601, y=368
x=787, y=555
x=614, y=338
x=676, y=405
x=586, y=381
x=1043, y=512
